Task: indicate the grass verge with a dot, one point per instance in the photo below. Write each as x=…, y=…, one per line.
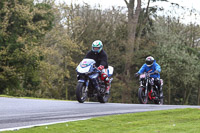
x=33, y=98
x=167, y=121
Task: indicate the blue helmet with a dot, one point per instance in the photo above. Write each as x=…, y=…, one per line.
x=97, y=46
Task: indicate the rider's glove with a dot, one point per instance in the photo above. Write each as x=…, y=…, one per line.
x=101, y=67
x=137, y=74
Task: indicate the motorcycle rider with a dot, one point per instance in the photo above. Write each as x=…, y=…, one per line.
x=99, y=55
x=151, y=67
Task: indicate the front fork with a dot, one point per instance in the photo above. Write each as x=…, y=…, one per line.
x=94, y=79
x=146, y=88
x=86, y=83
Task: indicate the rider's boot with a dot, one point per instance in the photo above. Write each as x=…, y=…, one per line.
x=108, y=84
x=108, y=89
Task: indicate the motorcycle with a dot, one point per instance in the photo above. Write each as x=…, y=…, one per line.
x=87, y=73
x=148, y=91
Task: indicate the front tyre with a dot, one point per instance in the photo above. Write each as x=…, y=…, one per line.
x=81, y=92
x=141, y=96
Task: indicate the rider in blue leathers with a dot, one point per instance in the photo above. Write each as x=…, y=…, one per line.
x=151, y=67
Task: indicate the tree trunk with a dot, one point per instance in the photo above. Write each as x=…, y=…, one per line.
x=198, y=102
x=169, y=89
x=133, y=15
x=142, y=26
x=187, y=96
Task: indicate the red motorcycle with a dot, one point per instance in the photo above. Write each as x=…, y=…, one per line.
x=148, y=91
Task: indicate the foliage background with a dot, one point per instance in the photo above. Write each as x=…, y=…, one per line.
x=41, y=44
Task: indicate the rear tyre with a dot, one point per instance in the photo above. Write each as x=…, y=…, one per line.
x=141, y=96
x=81, y=93
x=160, y=100
x=103, y=98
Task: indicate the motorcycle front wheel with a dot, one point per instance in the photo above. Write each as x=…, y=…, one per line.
x=81, y=92
x=143, y=99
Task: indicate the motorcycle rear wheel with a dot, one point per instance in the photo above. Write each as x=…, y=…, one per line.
x=81, y=94
x=160, y=101
x=141, y=96
x=103, y=98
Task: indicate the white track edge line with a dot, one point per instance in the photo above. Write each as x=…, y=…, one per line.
x=45, y=124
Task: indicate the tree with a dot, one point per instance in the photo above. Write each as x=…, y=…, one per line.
x=23, y=25
x=179, y=62
x=61, y=56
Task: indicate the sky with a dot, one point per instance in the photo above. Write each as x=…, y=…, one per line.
x=185, y=16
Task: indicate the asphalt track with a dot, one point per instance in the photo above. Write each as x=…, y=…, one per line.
x=16, y=113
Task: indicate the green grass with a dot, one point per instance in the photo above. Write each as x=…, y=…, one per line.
x=168, y=121
x=32, y=98
x=6, y=96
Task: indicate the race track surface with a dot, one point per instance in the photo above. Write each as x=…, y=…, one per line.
x=19, y=112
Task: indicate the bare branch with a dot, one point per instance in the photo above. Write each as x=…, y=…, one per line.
x=147, y=8
x=126, y=2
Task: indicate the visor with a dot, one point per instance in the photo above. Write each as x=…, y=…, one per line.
x=149, y=62
x=96, y=48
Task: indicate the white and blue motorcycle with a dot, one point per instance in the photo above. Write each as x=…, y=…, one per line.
x=89, y=79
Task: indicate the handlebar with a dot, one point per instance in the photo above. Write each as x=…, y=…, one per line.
x=97, y=69
x=155, y=72
x=148, y=74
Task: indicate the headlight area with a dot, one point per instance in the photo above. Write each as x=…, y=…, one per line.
x=82, y=76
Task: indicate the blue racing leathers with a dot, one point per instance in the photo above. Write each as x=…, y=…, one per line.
x=151, y=69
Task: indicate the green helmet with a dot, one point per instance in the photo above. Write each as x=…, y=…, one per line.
x=97, y=46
